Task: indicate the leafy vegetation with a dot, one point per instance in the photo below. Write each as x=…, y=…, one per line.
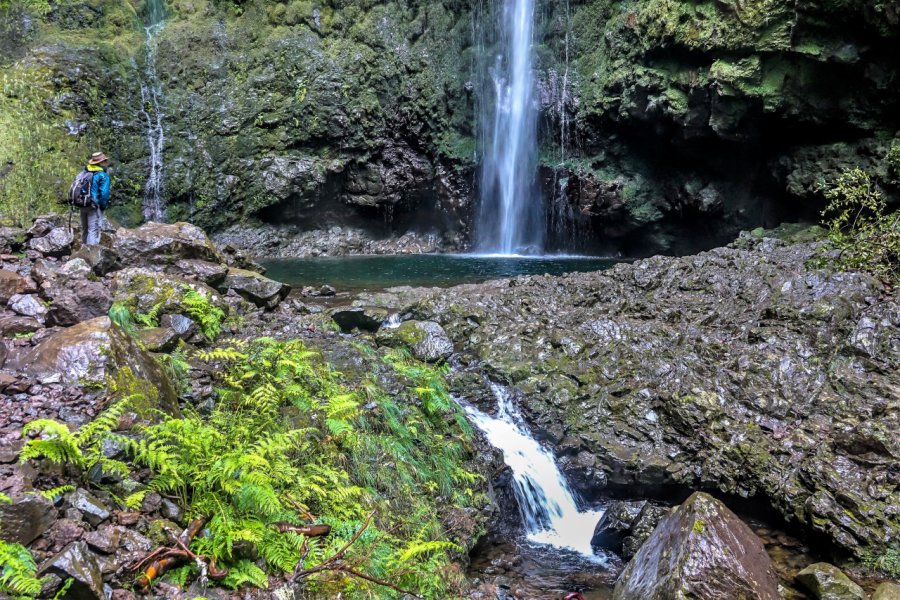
x=887, y=563
x=864, y=235
x=289, y=442
x=18, y=571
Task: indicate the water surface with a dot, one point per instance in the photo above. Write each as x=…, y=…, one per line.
x=354, y=273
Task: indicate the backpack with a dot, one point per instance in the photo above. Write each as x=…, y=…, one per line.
x=80, y=190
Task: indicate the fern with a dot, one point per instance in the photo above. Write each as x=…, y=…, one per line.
x=244, y=572
x=53, y=494
x=121, y=316
x=417, y=549
x=207, y=315
x=18, y=571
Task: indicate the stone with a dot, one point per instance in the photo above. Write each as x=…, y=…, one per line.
x=44, y=224
x=102, y=260
x=827, y=582
x=73, y=301
x=93, y=509
x=207, y=272
x=12, y=239
x=74, y=268
x=643, y=525
x=26, y=518
x=887, y=591
x=76, y=561
x=11, y=325
x=171, y=511
x=183, y=326
x=614, y=525
x=92, y=351
x=159, y=339
x=144, y=290
x=105, y=540
x=28, y=305
x=57, y=243
x=258, y=289
x=164, y=244
x=701, y=550
x=11, y=284
x=426, y=340
x=366, y=318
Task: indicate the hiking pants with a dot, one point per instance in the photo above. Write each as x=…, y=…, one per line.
x=91, y=220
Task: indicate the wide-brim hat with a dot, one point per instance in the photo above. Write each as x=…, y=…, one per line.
x=97, y=158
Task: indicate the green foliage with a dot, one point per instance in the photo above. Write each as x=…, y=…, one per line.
x=82, y=449
x=18, y=571
x=121, y=316
x=865, y=236
x=40, y=7
x=207, y=315
x=53, y=494
x=887, y=563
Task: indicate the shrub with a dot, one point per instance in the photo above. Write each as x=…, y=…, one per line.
x=864, y=236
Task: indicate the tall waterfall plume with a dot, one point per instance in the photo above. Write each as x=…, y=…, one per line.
x=549, y=510
x=511, y=214
x=151, y=110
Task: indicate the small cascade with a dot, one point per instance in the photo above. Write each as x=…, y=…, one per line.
x=511, y=211
x=151, y=110
x=549, y=509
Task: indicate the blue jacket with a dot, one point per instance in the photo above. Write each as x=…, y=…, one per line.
x=99, y=186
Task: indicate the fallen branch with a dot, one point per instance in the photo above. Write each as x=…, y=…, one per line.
x=334, y=564
x=161, y=560
x=307, y=530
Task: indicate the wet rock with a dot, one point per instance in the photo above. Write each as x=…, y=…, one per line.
x=366, y=318
x=887, y=591
x=26, y=518
x=100, y=259
x=426, y=340
x=94, y=511
x=44, y=224
x=65, y=531
x=210, y=273
x=614, y=525
x=159, y=339
x=641, y=528
x=260, y=290
x=11, y=284
x=105, y=540
x=827, y=582
x=76, y=268
x=57, y=243
x=28, y=305
x=171, y=511
x=163, y=244
x=74, y=300
x=76, y=561
x=92, y=351
x=701, y=550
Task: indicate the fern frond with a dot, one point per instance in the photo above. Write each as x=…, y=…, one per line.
x=54, y=493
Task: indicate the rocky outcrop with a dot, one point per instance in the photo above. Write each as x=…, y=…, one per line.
x=426, y=340
x=260, y=290
x=91, y=352
x=738, y=369
x=703, y=551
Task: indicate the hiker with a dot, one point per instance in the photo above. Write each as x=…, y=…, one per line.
x=90, y=194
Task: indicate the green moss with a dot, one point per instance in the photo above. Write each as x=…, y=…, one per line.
x=699, y=527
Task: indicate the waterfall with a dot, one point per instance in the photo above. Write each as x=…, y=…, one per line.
x=151, y=110
x=511, y=215
x=549, y=510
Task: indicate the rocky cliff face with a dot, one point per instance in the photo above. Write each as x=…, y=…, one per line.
x=665, y=124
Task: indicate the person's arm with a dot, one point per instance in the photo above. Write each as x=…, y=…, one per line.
x=100, y=189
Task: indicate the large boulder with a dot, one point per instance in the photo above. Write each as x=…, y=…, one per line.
x=164, y=244
x=101, y=259
x=74, y=299
x=11, y=325
x=58, y=242
x=11, y=239
x=90, y=353
x=28, y=305
x=11, y=283
x=702, y=551
x=78, y=563
x=258, y=289
x=143, y=290
x=614, y=525
x=426, y=340
x=887, y=591
x=827, y=582
x=26, y=518
x=203, y=271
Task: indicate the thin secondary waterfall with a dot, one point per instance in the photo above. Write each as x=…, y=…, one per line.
x=151, y=109
x=511, y=216
x=549, y=510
